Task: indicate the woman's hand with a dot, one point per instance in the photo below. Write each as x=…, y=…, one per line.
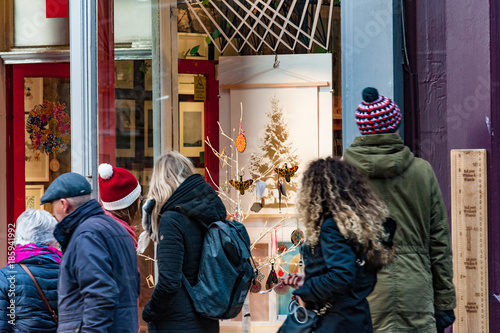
x=295, y=280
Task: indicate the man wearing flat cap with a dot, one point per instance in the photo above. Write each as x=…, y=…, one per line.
x=98, y=279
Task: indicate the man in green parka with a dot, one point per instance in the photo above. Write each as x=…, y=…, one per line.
x=415, y=292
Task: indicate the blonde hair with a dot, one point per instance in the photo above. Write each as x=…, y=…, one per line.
x=333, y=188
x=170, y=170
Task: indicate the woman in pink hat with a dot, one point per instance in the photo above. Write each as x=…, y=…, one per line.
x=120, y=195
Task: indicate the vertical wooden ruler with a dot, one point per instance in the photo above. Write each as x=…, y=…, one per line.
x=470, y=239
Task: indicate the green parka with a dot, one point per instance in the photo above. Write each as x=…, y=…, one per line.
x=420, y=278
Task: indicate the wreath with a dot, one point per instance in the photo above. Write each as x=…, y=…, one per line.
x=48, y=126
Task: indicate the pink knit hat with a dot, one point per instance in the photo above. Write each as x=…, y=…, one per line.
x=118, y=187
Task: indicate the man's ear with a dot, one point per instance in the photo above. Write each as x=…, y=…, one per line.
x=66, y=206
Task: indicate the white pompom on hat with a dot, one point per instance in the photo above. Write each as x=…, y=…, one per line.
x=118, y=188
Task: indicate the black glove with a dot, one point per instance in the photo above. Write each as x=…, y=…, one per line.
x=444, y=319
x=148, y=315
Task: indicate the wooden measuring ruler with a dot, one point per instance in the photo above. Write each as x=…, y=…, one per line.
x=470, y=239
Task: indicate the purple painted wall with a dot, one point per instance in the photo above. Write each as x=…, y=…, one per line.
x=451, y=91
x=494, y=167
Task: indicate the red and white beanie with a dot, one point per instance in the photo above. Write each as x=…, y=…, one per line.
x=377, y=114
x=118, y=188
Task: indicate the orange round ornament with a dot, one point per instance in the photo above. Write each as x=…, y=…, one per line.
x=241, y=142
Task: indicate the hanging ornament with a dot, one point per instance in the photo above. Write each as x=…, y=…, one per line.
x=281, y=289
x=260, y=187
x=255, y=287
x=241, y=185
x=281, y=188
x=286, y=173
x=281, y=272
x=150, y=281
x=54, y=165
x=272, y=279
x=259, y=275
x=297, y=237
x=241, y=142
x=223, y=158
x=293, y=265
x=282, y=248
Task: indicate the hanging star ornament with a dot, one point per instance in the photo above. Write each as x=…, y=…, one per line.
x=286, y=172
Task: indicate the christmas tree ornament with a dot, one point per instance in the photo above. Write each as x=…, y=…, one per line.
x=241, y=185
x=281, y=289
x=241, y=142
x=293, y=265
x=255, y=287
x=272, y=279
x=282, y=248
x=286, y=172
x=281, y=188
x=297, y=237
x=281, y=272
x=256, y=207
x=223, y=158
x=260, y=187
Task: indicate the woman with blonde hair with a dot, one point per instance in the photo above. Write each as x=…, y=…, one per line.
x=346, y=244
x=178, y=200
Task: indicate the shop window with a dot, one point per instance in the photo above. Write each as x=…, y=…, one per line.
x=47, y=142
x=126, y=141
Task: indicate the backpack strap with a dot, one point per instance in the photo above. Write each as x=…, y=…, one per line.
x=52, y=312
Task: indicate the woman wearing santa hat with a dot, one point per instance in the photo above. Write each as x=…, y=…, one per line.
x=120, y=195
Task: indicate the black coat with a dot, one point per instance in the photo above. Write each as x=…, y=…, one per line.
x=333, y=274
x=180, y=240
x=29, y=310
x=98, y=281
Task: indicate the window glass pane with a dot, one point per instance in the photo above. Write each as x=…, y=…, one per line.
x=133, y=23
x=33, y=28
x=191, y=122
x=126, y=141
x=47, y=135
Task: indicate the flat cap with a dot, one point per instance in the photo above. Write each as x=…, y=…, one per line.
x=67, y=185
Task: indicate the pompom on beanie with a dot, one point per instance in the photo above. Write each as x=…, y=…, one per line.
x=377, y=114
x=118, y=188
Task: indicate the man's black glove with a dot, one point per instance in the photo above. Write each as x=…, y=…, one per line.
x=444, y=319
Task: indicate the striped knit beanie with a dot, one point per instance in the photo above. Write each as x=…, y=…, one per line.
x=377, y=114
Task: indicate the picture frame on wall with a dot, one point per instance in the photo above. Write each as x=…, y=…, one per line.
x=125, y=127
x=191, y=128
x=124, y=74
x=36, y=162
x=33, y=194
x=33, y=92
x=148, y=128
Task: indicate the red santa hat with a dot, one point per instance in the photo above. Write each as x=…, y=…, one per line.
x=118, y=188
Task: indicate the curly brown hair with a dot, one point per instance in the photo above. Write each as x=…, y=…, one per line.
x=334, y=188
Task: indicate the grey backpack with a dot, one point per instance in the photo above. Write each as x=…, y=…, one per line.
x=225, y=273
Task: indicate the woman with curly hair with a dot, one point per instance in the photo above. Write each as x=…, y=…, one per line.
x=346, y=244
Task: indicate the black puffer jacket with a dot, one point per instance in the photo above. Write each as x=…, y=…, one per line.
x=180, y=240
x=334, y=275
